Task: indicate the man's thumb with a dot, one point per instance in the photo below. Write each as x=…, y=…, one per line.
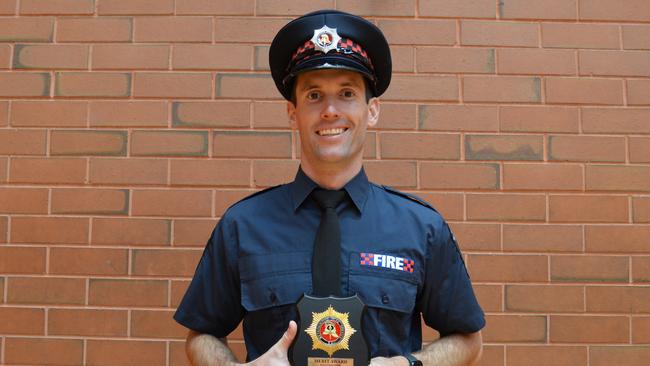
x=289, y=335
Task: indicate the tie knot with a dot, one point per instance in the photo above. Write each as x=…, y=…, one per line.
x=328, y=199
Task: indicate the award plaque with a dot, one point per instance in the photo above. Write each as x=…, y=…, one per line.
x=330, y=333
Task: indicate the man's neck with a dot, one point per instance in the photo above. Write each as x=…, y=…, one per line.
x=331, y=177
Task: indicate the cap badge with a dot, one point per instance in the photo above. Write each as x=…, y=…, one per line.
x=325, y=39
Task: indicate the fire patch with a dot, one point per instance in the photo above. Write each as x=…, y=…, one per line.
x=387, y=261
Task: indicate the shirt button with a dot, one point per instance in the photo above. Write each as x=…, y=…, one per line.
x=385, y=299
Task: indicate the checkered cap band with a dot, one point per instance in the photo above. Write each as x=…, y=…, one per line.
x=345, y=47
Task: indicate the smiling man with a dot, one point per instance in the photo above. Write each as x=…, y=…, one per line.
x=331, y=231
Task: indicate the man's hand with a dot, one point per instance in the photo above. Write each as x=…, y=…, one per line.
x=389, y=361
x=277, y=355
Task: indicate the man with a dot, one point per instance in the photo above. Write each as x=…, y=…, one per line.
x=395, y=252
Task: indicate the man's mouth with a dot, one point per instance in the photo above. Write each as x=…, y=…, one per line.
x=331, y=131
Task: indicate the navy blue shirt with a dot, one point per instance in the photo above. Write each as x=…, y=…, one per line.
x=397, y=254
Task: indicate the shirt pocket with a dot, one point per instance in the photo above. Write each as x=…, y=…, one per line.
x=272, y=280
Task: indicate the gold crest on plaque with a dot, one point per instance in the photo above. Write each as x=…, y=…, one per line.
x=330, y=331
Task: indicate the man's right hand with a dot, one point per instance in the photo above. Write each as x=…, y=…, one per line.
x=277, y=355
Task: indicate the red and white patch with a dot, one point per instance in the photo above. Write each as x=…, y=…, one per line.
x=387, y=261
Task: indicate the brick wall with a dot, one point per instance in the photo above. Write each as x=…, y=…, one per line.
x=127, y=128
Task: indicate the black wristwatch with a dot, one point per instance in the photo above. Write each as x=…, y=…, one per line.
x=412, y=360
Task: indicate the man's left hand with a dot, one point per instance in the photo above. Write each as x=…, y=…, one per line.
x=389, y=361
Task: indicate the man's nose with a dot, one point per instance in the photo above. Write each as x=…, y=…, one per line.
x=330, y=110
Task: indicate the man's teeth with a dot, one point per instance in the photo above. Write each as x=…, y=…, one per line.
x=331, y=131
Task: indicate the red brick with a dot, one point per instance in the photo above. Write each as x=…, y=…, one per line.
x=5, y=56
x=178, y=290
x=510, y=207
x=24, y=260
x=423, y=87
x=614, y=63
x=177, y=355
x=130, y=171
x=515, y=89
x=47, y=170
x=49, y=230
x=618, y=178
x=457, y=118
x=256, y=86
x=103, y=29
x=129, y=57
x=636, y=37
x=209, y=7
x=248, y=144
x=8, y=8
x=169, y=143
x=210, y=172
x=3, y=230
x=22, y=142
x=618, y=299
x=641, y=269
x=93, y=84
x=580, y=35
x=112, y=7
x=630, y=10
x=508, y=268
x=90, y=201
x=87, y=322
x=586, y=148
x=621, y=355
x=453, y=60
x=88, y=142
x=39, y=290
x=543, y=177
x=49, y=113
x=192, y=232
x=396, y=116
x=541, y=355
x=641, y=209
x=420, y=146
x=268, y=173
x=172, y=203
x=490, y=297
x=638, y=92
x=641, y=330
x=128, y=114
x=212, y=114
x=589, y=329
x=22, y=321
x=538, y=119
x=589, y=208
x=531, y=9
x=472, y=236
x=544, y=298
x=492, y=355
x=503, y=147
x=24, y=84
x=490, y=33
x=210, y=57
x=172, y=85
x=274, y=114
x=402, y=58
x=450, y=205
x=542, y=238
x=617, y=238
x=4, y=113
x=392, y=173
x=26, y=29
x=23, y=200
x=589, y=268
x=280, y=7
x=457, y=9
x=515, y=328
x=261, y=58
x=156, y=324
x=164, y=262
x=247, y=29
x=38, y=7
x=132, y=293
x=131, y=232
x=87, y=261
x=459, y=176
x=173, y=29
x=43, y=351
x=225, y=198
x=419, y=32
x=536, y=61
x=125, y=353
x=615, y=120
x=50, y=57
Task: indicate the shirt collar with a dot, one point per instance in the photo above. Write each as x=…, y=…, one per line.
x=357, y=188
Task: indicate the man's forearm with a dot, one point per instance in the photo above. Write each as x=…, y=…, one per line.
x=453, y=350
x=207, y=350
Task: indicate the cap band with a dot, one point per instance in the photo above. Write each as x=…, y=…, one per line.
x=345, y=47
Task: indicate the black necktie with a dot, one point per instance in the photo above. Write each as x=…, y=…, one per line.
x=326, y=261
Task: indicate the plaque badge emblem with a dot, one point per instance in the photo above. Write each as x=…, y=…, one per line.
x=330, y=331
x=325, y=39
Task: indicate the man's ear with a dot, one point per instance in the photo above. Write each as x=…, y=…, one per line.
x=291, y=113
x=373, y=111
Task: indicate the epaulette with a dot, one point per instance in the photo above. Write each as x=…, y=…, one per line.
x=411, y=197
x=258, y=193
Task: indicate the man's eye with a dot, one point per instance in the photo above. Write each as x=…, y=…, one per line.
x=348, y=93
x=313, y=96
